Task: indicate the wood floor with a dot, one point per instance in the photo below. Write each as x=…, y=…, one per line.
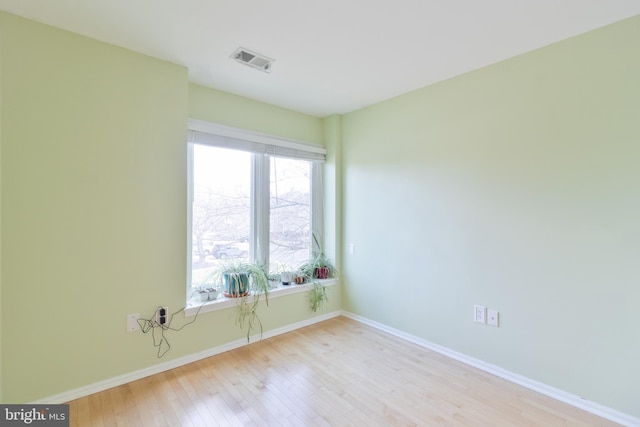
x=335, y=373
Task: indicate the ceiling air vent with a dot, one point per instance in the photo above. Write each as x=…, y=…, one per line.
x=252, y=59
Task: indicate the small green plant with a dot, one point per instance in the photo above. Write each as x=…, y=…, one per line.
x=274, y=277
x=319, y=266
x=317, y=296
x=205, y=292
x=248, y=283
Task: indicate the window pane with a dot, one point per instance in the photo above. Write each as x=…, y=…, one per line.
x=290, y=215
x=221, y=209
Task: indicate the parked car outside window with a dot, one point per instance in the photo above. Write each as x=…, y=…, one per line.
x=229, y=251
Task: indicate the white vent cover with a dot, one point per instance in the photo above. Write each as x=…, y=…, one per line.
x=252, y=59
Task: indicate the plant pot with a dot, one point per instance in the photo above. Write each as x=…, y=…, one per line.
x=203, y=296
x=286, y=277
x=213, y=294
x=322, y=272
x=236, y=284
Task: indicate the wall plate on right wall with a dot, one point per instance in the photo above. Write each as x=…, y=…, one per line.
x=479, y=314
x=493, y=318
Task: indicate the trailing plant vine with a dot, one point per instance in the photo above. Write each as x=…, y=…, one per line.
x=317, y=296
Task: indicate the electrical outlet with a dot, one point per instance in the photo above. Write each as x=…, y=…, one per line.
x=493, y=317
x=132, y=322
x=480, y=314
x=162, y=316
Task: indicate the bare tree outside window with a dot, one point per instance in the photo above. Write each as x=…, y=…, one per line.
x=221, y=208
x=290, y=213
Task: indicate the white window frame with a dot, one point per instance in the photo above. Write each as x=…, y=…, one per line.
x=207, y=133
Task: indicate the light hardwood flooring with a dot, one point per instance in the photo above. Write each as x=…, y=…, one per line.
x=334, y=373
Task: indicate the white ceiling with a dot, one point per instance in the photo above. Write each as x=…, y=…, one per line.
x=332, y=56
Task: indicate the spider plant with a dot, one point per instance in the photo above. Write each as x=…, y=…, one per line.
x=246, y=282
x=319, y=266
x=317, y=296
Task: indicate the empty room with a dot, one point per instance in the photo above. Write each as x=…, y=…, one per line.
x=320, y=213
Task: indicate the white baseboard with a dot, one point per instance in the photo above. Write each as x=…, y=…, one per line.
x=171, y=364
x=563, y=396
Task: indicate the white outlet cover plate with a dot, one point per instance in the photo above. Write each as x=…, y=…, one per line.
x=480, y=314
x=132, y=322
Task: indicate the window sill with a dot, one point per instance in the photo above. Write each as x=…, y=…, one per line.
x=222, y=302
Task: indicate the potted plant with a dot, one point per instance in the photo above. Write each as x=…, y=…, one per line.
x=236, y=283
x=212, y=293
x=286, y=277
x=248, y=283
x=317, y=267
x=203, y=295
x=274, y=279
x=206, y=292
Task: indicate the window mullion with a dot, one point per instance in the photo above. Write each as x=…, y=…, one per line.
x=260, y=188
x=317, y=207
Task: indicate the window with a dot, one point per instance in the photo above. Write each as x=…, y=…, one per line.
x=289, y=213
x=220, y=210
x=251, y=198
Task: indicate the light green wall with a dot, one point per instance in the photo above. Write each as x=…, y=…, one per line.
x=93, y=220
x=93, y=205
x=515, y=187
x=1, y=212
x=332, y=181
x=233, y=110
